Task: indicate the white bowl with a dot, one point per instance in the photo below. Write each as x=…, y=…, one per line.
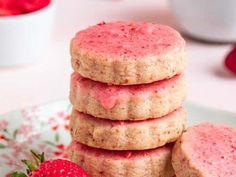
x=24, y=38
x=213, y=20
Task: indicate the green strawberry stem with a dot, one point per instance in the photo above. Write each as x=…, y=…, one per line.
x=31, y=165
x=39, y=158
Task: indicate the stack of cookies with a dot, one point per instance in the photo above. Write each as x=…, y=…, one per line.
x=127, y=93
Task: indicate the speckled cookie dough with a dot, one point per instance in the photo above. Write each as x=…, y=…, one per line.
x=127, y=53
x=105, y=163
x=135, y=102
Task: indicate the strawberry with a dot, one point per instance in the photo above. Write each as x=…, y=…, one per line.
x=9, y=8
x=230, y=61
x=7, y=4
x=9, y=12
x=15, y=7
x=50, y=168
x=32, y=5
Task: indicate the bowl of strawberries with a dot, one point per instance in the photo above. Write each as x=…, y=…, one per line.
x=25, y=30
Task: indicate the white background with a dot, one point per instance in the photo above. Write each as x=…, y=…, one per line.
x=48, y=80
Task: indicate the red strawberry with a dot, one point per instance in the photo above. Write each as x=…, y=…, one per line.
x=32, y=5
x=230, y=61
x=9, y=12
x=51, y=168
x=15, y=7
x=56, y=168
x=7, y=4
x=9, y=8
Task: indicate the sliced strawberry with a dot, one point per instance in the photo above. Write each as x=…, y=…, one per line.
x=4, y=3
x=9, y=4
x=32, y=5
x=4, y=12
x=230, y=61
x=9, y=8
x=15, y=7
x=9, y=12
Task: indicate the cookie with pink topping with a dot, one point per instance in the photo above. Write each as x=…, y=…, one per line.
x=127, y=135
x=129, y=102
x=206, y=150
x=106, y=163
x=127, y=53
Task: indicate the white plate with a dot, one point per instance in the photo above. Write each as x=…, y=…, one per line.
x=45, y=128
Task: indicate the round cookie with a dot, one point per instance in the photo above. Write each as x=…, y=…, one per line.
x=131, y=102
x=127, y=53
x=127, y=135
x=105, y=163
x=206, y=150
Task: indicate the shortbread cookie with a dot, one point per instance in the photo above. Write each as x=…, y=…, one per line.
x=127, y=135
x=135, y=102
x=206, y=150
x=105, y=163
x=127, y=53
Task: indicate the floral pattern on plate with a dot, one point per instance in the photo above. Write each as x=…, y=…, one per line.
x=43, y=129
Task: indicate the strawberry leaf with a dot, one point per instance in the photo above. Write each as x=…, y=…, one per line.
x=30, y=166
x=18, y=174
x=39, y=158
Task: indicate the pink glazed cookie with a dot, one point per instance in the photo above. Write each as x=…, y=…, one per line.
x=127, y=53
x=206, y=150
x=130, y=102
x=127, y=135
x=105, y=163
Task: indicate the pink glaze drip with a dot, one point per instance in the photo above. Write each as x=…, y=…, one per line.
x=213, y=148
x=109, y=95
x=128, y=39
x=121, y=154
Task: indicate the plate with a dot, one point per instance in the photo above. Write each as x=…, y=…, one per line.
x=46, y=129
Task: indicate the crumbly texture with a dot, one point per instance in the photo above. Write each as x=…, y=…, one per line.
x=206, y=150
x=151, y=163
x=127, y=53
x=126, y=135
x=181, y=164
x=139, y=102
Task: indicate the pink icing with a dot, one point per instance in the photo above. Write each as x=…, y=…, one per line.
x=128, y=39
x=109, y=95
x=113, y=123
x=121, y=154
x=213, y=148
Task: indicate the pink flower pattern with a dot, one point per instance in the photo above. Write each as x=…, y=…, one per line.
x=3, y=124
x=17, y=141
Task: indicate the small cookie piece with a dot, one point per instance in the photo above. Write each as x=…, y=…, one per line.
x=127, y=53
x=127, y=135
x=131, y=102
x=105, y=163
x=206, y=150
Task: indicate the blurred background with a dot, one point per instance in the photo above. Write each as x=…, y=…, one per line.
x=209, y=30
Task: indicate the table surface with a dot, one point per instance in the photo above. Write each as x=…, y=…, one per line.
x=209, y=83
